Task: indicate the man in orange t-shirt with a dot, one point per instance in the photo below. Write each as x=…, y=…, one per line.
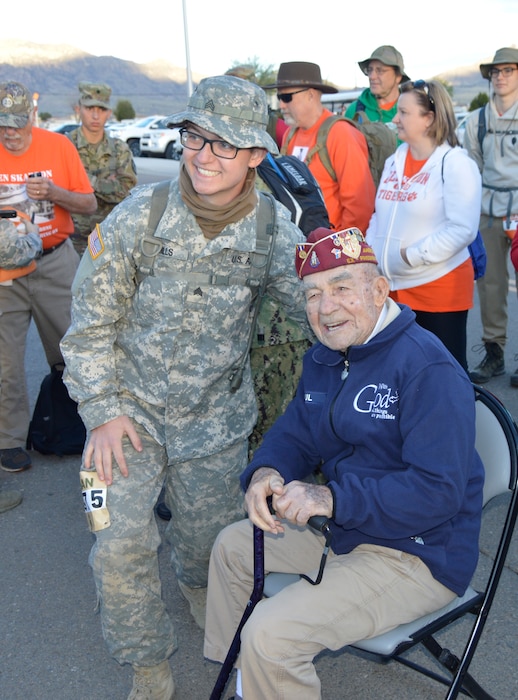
x=350, y=197
x=43, y=179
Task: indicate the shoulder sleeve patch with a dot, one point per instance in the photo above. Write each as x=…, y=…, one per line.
x=95, y=243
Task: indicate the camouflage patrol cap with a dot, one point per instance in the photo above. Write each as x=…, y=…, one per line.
x=234, y=109
x=16, y=105
x=94, y=95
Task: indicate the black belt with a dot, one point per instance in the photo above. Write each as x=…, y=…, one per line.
x=54, y=247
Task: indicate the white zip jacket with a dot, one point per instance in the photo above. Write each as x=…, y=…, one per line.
x=433, y=215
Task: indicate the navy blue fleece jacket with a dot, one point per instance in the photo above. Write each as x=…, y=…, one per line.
x=396, y=442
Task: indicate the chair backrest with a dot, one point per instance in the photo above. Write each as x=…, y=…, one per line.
x=496, y=444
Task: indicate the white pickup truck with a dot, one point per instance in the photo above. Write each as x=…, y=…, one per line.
x=161, y=142
x=132, y=132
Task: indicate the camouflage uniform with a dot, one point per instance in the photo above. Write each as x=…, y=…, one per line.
x=161, y=351
x=18, y=250
x=112, y=174
x=278, y=347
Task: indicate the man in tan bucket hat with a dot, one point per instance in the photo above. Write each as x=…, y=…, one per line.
x=491, y=140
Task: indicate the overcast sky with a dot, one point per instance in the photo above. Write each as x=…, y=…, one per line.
x=433, y=37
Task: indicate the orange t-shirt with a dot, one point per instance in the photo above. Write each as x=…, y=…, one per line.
x=350, y=199
x=56, y=157
x=451, y=292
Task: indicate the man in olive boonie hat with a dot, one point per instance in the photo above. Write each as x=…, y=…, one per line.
x=16, y=105
x=503, y=56
x=490, y=138
x=232, y=108
x=174, y=324
x=386, y=71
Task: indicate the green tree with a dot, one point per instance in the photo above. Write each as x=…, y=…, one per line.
x=45, y=116
x=448, y=86
x=124, y=110
x=252, y=70
x=479, y=101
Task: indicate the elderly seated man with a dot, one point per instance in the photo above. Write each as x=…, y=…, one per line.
x=389, y=417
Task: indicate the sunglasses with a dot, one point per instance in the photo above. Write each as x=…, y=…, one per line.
x=288, y=96
x=421, y=85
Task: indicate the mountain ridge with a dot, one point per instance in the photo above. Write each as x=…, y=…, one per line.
x=157, y=87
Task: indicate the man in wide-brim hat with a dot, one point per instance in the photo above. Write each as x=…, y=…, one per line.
x=303, y=74
x=386, y=71
x=346, y=180
x=490, y=139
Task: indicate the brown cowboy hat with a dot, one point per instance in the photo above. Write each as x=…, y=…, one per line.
x=300, y=74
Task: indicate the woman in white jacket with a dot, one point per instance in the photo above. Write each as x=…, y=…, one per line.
x=427, y=213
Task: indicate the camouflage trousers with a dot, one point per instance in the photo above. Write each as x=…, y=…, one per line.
x=276, y=371
x=204, y=496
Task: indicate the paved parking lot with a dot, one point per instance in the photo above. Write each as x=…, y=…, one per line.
x=51, y=647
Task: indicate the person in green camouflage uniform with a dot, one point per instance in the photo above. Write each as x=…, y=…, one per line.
x=279, y=343
x=108, y=161
x=20, y=244
x=149, y=359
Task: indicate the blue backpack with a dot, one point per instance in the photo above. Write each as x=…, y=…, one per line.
x=477, y=249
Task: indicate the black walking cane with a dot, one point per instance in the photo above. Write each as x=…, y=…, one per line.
x=255, y=597
x=318, y=522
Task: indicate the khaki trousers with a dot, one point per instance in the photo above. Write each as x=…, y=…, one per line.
x=45, y=296
x=493, y=288
x=362, y=594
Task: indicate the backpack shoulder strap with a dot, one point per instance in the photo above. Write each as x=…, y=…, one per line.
x=482, y=128
x=321, y=145
x=286, y=142
x=265, y=242
x=150, y=245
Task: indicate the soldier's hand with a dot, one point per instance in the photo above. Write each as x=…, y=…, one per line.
x=105, y=444
x=27, y=226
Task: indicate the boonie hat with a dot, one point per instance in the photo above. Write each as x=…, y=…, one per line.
x=234, y=109
x=300, y=74
x=505, y=55
x=325, y=249
x=16, y=105
x=94, y=95
x=387, y=55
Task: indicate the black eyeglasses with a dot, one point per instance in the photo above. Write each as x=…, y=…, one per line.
x=288, y=96
x=421, y=85
x=506, y=72
x=196, y=142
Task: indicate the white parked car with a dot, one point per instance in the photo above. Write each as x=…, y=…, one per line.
x=161, y=142
x=462, y=118
x=132, y=132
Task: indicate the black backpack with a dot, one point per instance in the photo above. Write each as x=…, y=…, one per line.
x=292, y=183
x=56, y=427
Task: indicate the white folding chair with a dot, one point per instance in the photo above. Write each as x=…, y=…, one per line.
x=497, y=445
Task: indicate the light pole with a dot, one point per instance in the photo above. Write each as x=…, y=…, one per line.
x=187, y=54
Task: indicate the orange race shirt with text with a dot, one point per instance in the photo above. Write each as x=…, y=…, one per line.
x=57, y=159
